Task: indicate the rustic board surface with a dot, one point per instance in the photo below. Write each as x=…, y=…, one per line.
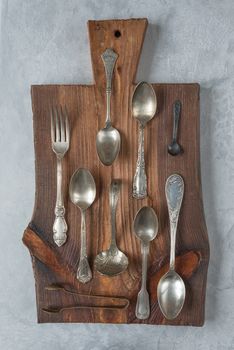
x=86, y=109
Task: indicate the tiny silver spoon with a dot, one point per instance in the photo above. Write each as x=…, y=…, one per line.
x=144, y=105
x=174, y=148
x=112, y=261
x=82, y=191
x=171, y=289
x=108, y=139
x=146, y=229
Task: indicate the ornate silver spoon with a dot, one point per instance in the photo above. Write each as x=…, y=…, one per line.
x=144, y=105
x=82, y=192
x=171, y=289
x=108, y=138
x=112, y=261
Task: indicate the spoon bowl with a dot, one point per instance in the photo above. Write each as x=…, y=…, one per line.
x=171, y=294
x=108, y=144
x=146, y=224
x=82, y=189
x=144, y=102
x=111, y=263
x=174, y=148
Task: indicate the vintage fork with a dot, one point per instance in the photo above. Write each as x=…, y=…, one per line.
x=60, y=139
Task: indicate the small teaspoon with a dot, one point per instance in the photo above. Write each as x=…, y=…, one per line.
x=175, y=148
x=146, y=229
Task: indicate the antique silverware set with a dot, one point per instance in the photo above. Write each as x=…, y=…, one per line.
x=82, y=192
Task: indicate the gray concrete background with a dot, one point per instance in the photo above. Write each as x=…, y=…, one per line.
x=47, y=42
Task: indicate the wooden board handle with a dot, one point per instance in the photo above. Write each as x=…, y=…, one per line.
x=116, y=34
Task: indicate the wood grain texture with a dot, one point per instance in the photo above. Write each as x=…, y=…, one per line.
x=86, y=109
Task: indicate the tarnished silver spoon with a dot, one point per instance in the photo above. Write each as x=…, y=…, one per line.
x=171, y=289
x=144, y=105
x=146, y=229
x=108, y=138
x=82, y=191
x=112, y=261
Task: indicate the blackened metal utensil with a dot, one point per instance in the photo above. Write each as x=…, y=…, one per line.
x=174, y=148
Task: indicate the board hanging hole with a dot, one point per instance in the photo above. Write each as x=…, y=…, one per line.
x=117, y=34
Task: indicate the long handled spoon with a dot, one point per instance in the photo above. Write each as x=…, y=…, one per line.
x=144, y=105
x=171, y=289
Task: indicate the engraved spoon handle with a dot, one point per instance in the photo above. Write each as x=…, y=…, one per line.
x=176, y=117
x=114, y=196
x=84, y=273
x=143, y=307
x=60, y=225
x=140, y=180
x=174, y=190
x=109, y=58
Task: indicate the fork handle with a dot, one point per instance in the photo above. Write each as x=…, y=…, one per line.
x=60, y=225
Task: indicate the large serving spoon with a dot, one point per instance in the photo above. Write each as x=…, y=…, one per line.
x=112, y=261
x=82, y=191
x=144, y=105
x=108, y=138
x=146, y=229
x=171, y=289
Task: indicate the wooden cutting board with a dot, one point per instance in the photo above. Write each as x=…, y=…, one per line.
x=86, y=110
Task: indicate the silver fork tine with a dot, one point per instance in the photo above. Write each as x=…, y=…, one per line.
x=67, y=125
x=62, y=123
x=57, y=125
x=53, y=136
